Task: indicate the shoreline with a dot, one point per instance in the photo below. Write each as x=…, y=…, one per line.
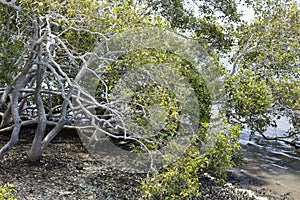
x=68, y=171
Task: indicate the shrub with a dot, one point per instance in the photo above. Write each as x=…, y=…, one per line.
x=7, y=191
x=180, y=179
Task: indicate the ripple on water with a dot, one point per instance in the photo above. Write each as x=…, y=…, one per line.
x=276, y=163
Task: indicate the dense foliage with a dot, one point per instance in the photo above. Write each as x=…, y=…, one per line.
x=264, y=86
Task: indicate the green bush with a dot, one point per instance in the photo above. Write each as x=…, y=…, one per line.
x=7, y=191
x=180, y=179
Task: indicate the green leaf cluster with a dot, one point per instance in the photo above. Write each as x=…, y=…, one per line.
x=7, y=192
x=266, y=86
x=154, y=94
x=249, y=97
x=11, y=45
x=181, y=179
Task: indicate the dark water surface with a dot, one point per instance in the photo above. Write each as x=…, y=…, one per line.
x=275, y=164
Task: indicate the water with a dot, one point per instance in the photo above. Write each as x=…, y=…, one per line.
x=275, y=163
x=273, y=156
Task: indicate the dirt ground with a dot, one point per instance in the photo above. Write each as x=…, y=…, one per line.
x=68, y=171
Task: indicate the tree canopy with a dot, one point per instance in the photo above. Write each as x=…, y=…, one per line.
x=264, y=85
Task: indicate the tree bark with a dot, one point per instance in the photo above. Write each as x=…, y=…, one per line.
x=36, y=151
x=20, y=81
x=15, y=109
